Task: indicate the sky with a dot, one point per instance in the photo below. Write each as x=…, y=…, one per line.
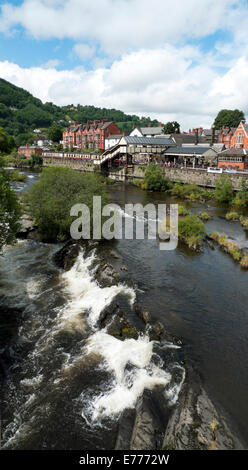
x=182, y=60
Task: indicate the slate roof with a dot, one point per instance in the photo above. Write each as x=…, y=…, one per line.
x=115, y=136
x=188, y=139
x=190, y=150
x=234, y=152
x=149, y=141
x=151, y=130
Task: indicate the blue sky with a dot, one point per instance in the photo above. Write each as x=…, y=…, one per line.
x=148, y=59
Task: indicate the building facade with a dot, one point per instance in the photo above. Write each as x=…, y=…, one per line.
x=225, y=136
x=240, y=136
x=233, y=158
x=91, y=135
x=29, y=150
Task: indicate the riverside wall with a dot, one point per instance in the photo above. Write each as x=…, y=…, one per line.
x=191, y=176
x=176, y=175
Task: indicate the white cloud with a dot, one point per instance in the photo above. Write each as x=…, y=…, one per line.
x=51, y=64
x=166, y=83
x=123, y=25
x=84, y=51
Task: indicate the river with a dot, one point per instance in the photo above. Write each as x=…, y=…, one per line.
x=69, y=381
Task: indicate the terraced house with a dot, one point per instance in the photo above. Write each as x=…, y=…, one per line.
x=90, y=136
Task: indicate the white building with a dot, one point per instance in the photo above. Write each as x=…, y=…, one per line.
x=147, y=132
x=112, y=140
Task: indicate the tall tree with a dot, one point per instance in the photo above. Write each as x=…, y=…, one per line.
x=171, y=128
x=228, y=118
x=55, y=134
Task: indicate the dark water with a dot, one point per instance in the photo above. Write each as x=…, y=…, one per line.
x=202, y=298
x=68, y=381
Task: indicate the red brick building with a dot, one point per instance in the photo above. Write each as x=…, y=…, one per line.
x=225, y=136
x=91, y=135
x=240, y=136
x=28, y=151
x=233, y=158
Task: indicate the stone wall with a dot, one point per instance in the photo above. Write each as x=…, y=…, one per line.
x=199, y=177
x=69, y=163
x=177, y=175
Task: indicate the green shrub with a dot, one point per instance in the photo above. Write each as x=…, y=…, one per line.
x=138, y=182
x=241, y=198
x=204, y=216
x=228, y=246
x=16, y=176
x=244, y=221
x=50, y=200
x=223, y=191
x=182, y=211
x=191, y=230
x=189, y=191
x=232, y=216
x=154, y=179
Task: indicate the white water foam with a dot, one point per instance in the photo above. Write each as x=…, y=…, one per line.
x=85, y=294
x=128, y=385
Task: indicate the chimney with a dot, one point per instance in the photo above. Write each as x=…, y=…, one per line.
x=149, y=124
x=213, y=134
x=160, y=124
x=196, y=136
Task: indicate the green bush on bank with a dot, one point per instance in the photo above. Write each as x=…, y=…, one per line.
x=232, y=215
x=241, y=199
x=223, y=190
x=190, y=191
x=154, y=179
x=244, y=222
x=204, y=216
x=50, y=200
x=191, y=231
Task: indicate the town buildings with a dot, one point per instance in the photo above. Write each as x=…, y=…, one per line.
x=29, y=150
x=233, y=158
x=91, y=135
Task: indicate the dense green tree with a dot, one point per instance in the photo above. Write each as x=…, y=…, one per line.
x=4, y=144
x=10, y=210
x=223, y=190
x=55, y=134
x=228, y=118
x=171, y=128
x=7, y=143
x=50, y=200
x=154, y=178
